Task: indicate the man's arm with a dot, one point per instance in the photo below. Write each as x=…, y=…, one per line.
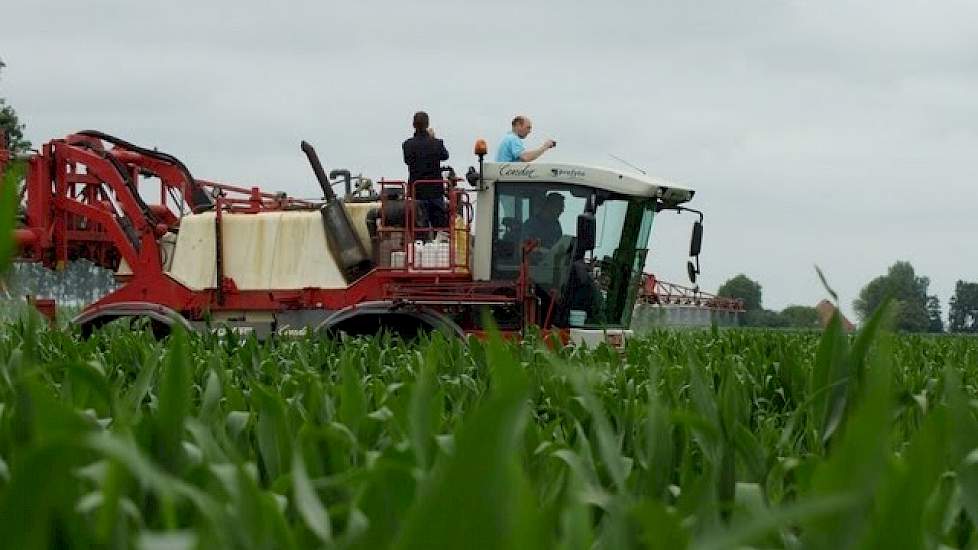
x=443, y=154
x=407, y=152
x=531, y=155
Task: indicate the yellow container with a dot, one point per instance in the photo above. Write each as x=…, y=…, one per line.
x=461, y=244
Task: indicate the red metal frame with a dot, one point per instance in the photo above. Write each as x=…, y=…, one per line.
x=656, y=292
x=405, y=238
x=240, y=200
x=45, y=307
x=83, y=201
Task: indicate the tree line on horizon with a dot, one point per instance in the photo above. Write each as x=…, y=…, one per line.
x=10, y=125
x=80, y=282
x=916, y=310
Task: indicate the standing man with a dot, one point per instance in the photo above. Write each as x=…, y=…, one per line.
x=423, y=154
x=511, y=149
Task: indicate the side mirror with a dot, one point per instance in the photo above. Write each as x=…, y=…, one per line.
x=696, y=241
x=691, y=271
x=472, y=177
x=587, y=231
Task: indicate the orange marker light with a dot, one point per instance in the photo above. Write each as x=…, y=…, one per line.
x=480, y=147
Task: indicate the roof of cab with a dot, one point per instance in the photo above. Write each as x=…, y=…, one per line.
x=595, y=176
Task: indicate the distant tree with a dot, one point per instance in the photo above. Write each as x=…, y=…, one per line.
x=800, y=317
x=744, y=288
x=765, y=318
x=908, y=291
x=934, y=321
x=80, y=282
x=10, y=125
x=963, y=311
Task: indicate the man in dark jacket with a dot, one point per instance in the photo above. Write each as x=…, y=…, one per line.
x=423, y=154
x=545, y=224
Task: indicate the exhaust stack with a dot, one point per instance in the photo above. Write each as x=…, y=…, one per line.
x=344, y=245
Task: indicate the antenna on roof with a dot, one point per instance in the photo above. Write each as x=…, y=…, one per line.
x=628, y=164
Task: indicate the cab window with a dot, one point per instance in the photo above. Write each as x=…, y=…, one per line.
x=545, y=213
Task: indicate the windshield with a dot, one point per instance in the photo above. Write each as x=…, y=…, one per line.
x=592, y=288
x=615, y=265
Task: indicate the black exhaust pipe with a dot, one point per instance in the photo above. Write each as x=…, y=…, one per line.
x=317, y=168
x=344, y=245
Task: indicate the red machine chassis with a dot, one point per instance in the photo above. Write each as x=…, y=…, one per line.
x=84, y=200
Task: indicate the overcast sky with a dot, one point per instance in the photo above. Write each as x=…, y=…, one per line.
x=837, y=133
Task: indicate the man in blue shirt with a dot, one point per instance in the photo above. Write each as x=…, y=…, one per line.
x=511, y=149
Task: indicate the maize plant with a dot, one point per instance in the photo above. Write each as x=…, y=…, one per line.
x=687, y=439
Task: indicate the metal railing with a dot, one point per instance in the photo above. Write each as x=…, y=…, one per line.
x=411, y=246
x=655, y=292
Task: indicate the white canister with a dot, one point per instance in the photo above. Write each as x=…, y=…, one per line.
x=398, y=259
x=441, y=250
x=418, y=254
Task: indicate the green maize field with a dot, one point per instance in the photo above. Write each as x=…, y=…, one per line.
x=689, y=439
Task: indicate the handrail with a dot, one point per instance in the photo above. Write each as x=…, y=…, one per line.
x=402, y=238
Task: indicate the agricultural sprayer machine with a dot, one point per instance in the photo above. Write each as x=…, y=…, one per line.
x=212, y=256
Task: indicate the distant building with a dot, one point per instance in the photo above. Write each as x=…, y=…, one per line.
x=825, y=311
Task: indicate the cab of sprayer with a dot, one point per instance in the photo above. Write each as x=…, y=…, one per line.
x=590, y=227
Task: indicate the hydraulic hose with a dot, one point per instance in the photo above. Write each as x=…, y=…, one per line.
x=126, y=224
x=198, y=197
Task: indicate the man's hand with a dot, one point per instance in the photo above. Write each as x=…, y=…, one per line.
x=549, y=144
